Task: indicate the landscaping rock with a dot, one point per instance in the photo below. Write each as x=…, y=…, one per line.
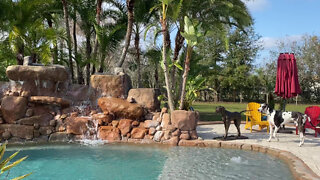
x=184, y=120
x=47, y=130
x=138, y=133
x=30, y=73
x=102, y=119
x=165, y=120
x=53, y=123
x=77, y=125
x=50, y=100
x=157, y=137
x=176, y=132
x=125, y=126
x=121, y=108
x=60, y=137
x=42, y=120
x=146, y=97
x=109, y=133
x=166, y=134
x=152, y=131
x=156, y=117
x=151, y=123
x=185, y=135
x=20, y=131
x=115, y=123
x=193, y=134
x=6, y=135
x=29, y=112
x=36, y=133
x=173, y=141
x=111, y=85
x=135, y=123
x=13, y=108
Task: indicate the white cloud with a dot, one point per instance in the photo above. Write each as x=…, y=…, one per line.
x=256, y=5
x=273, y=42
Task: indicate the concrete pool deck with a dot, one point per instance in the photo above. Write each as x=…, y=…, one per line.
x=309, y=153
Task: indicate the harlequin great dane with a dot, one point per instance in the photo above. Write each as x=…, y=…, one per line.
x=278, y=118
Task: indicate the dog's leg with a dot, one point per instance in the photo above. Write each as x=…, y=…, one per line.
x=270, y=133
x=237, y=124
x=276, y=129
x=301, y=138
x=227, y=125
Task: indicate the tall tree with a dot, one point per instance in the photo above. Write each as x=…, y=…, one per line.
x=130, y=7
x=66, y=19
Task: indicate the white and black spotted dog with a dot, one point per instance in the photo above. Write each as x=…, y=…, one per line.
x=278, y=118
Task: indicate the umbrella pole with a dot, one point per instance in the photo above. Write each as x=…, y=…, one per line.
x=284, y=104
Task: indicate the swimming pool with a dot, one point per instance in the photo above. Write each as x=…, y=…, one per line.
x=82, y=162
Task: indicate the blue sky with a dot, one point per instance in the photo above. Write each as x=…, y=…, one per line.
x=276, y=20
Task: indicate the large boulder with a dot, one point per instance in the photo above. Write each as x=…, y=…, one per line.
x=77, y=125
x=109, y=133
x=16, y=130
x=13, y=108
x=146, y=97
x=54, y=73
x=111, y=85
x=184, y=120
x=121, y=108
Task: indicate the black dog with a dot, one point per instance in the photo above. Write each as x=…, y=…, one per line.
x=227, y=117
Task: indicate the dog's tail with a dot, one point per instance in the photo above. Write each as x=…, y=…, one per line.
x=243, y=111
x=309, y=119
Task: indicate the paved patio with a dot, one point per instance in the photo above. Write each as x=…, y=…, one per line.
x=309, y=152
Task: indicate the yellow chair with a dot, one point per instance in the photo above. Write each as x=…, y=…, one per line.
x=253, y=117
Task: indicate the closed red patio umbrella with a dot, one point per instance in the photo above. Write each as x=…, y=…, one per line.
x=287, y=82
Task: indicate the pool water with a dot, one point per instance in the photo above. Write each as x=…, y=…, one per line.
x=80, y=162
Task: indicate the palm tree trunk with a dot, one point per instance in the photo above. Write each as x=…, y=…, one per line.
x=185, y=76
x=130, y=6
x=137, y=47
x=66, y=18
x=156, y=77
x=75, y=43
x=166, y=69
x=95, y=47
x=88, y=54
x=178, y=45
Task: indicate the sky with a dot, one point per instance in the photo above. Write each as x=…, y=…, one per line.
x=289, y=20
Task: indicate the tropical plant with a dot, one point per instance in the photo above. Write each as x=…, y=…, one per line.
x=193, y=34
x=5, y=167
x=193, y=88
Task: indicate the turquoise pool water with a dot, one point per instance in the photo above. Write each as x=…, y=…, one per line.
x=80, y=162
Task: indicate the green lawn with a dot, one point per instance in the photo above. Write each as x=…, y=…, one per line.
x=207, y=109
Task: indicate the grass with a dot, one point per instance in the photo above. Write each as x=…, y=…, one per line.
x=207, y=109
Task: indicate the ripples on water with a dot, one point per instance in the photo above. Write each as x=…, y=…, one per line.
x=80, y=162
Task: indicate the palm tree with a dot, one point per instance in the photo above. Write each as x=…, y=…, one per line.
x=66, y=19
x=142, y=19
x=213, y=14
x=98, y=20
x=86, y=23
x=130, y=7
